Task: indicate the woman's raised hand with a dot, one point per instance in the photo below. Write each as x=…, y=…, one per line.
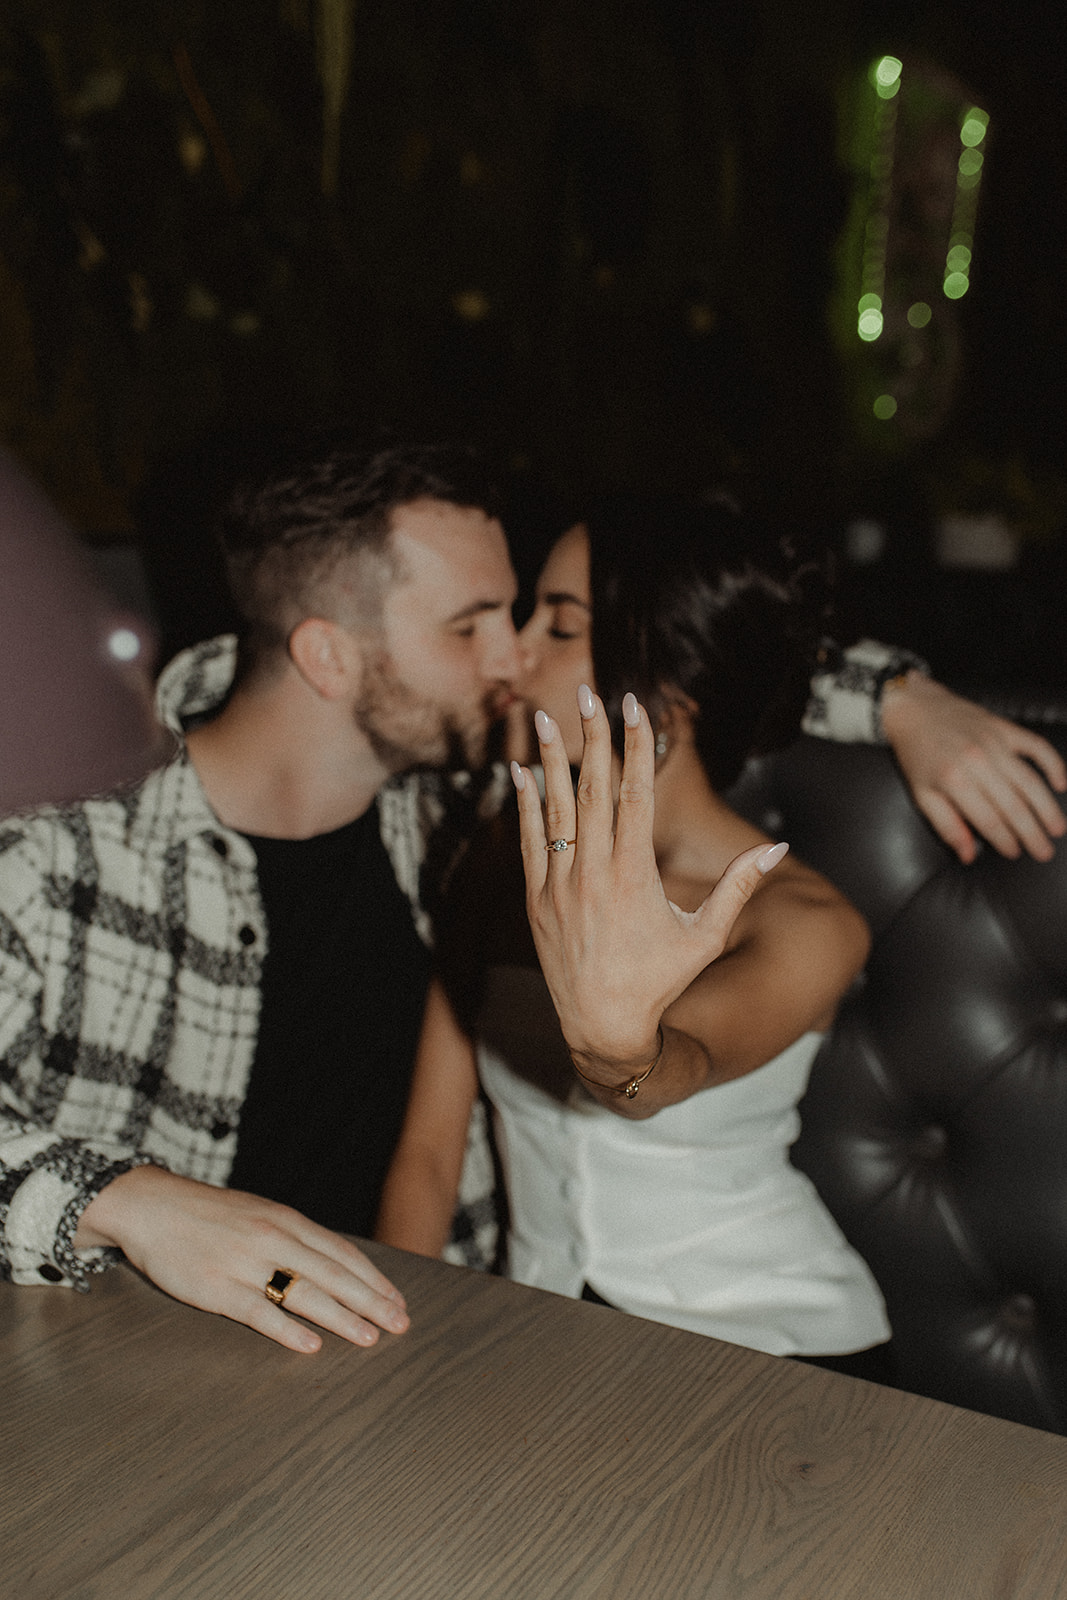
x=614, y=950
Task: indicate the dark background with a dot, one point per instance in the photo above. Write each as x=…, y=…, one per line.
x=600, y=236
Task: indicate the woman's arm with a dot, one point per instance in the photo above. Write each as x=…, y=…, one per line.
x=707, y=995
x=419, y=1198
x=797, y=945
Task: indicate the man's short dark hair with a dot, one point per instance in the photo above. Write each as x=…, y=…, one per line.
x=284, y=530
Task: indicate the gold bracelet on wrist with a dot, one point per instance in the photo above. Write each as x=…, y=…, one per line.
x=631, y=1086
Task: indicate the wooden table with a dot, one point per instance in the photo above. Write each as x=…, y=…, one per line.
x=511, y=1446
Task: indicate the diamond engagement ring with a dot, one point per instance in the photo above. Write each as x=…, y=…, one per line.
x=559, y=844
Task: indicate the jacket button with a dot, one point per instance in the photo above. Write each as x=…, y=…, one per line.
x=247, y=934
x=50, y=1273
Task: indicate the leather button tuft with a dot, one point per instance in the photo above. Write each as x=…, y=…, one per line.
x=1018, y=1313
x=930, y=1143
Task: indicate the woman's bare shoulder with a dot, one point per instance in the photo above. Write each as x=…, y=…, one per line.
x=799, y=912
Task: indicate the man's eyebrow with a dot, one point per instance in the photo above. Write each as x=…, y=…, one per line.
x=563, y=597
x=475, y=609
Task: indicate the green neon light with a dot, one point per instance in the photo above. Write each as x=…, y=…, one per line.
x=959, y=257
x=975, y=126
x=885, y=75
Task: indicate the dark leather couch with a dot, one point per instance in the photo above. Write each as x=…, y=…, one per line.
x=935, y=1125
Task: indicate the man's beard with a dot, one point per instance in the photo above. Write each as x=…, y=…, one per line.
x=406, y=731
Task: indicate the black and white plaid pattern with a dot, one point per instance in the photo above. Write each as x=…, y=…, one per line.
x=846, y=690
x=132, y=938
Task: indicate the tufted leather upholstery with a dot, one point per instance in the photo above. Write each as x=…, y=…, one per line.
x=935, y=1125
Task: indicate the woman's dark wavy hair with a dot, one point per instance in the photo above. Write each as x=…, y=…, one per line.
x=705, y=602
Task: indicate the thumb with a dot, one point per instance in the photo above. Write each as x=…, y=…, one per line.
x=722, y=907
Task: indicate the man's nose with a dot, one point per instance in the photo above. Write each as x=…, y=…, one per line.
x=529, y=654
x=503, y=662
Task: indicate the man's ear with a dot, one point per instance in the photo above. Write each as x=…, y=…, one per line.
x=327, y=657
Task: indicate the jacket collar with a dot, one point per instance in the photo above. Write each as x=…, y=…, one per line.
x=196, y=682
x=170, y=806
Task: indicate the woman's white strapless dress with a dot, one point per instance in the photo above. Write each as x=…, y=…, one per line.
x=693, y=1217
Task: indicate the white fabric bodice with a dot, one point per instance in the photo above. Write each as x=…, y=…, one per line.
x=693, y=1217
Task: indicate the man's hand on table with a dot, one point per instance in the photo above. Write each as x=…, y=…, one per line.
x=218, y=1248
x=969, y=769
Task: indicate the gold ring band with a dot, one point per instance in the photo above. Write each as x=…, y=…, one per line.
x=278, y=1285
x=559, y=844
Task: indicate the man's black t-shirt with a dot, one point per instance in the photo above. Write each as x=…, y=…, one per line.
x=344, y=983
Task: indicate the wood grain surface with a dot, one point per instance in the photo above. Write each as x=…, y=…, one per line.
x=513, y=1444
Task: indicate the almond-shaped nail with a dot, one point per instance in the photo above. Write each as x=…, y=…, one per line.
x=771, y=857
x=631, y=711
x=518, y=777
x=546, y=731
x=586, y=702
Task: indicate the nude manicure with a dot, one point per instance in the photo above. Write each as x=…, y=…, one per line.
x=545, y=729
x=771, y=857
x=631, y=711
x=586, y=702
x=518, y=777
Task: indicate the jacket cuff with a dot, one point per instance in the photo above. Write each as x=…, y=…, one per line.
x=53, y=1189
x=846, y=690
